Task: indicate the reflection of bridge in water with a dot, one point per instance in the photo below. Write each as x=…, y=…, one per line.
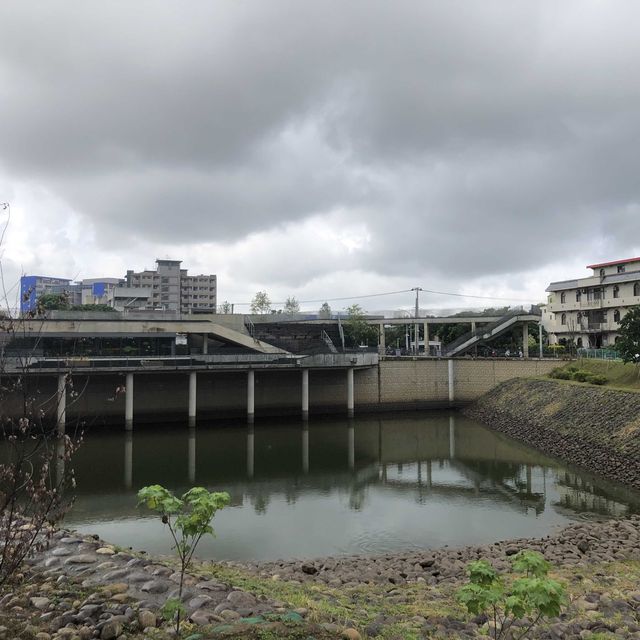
x=450, y=460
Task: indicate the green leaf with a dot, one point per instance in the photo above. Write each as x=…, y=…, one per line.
x=530, y=563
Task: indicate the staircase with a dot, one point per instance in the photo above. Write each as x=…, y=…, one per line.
x=488, y=332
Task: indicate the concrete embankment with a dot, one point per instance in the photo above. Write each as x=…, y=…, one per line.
x=592, y=427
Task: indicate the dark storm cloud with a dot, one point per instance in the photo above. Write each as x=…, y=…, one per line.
x=468, y=136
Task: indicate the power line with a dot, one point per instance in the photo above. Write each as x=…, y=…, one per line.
x=393, y=293
x=465, y=295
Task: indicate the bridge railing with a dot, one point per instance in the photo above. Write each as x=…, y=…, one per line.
x=22, y=364
x=483, y=330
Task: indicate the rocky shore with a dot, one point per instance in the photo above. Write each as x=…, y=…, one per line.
x=81, y=588
x=594, y=428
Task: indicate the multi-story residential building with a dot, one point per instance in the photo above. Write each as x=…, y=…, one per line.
x=587, y=311
x=168, y=287
x=172, y=288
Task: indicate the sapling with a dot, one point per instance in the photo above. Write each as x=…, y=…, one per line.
x=533, y=595
x=188, y=519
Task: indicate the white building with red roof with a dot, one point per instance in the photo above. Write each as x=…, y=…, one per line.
x=587, y=311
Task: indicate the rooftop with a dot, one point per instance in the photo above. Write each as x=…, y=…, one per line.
x=612, y=264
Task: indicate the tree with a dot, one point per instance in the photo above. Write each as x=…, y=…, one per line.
x=325, y=311
x=226, y=307
x=188, y=519
x=36, y=477
x=628, y=342
x=261, y=303
x=357, y=329
x=53, y=302
x=291, y=306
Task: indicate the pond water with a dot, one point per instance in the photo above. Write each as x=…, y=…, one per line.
x=332, y=486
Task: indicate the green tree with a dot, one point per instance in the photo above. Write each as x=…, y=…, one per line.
x=628, y=342
x=325, y=311
x=188, y=519
x=53, y=302
x=291, y=306
x=357, y=329
x=225, y=307
x=261, y=303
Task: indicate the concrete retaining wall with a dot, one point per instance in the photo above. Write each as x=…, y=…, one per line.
x=394, y=384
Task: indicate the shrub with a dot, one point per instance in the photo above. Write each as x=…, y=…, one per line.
x=596, y=378
x=580, y=375
x=533, y=595
x=571, y=368
x=560, y=374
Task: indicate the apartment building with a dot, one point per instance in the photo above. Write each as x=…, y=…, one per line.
x=172, y=288
x=587, y=311
x=167, y=287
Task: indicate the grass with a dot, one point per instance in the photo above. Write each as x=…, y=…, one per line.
x=618, y=374
x=406, y=607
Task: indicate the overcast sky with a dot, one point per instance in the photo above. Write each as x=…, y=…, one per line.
x=322, y=149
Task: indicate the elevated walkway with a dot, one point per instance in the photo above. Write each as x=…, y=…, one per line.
x=143, y=328
x=488, y=332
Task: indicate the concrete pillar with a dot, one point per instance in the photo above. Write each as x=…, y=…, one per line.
x=192, y=456
x=452, y=437
x=193, y=397
x=250, y=396
x=305, y=449
x=350, y=392
x=250, y=451
x=473, y=326
x=351, y=436
x=205, y=344
x=128, y=402
x=525, y=339
x=540, y=347
x=452, y=394
x=382, y=345
x=128, y=460
x=305, y=394
x=426, y=339
x=62, y=403
x=429, y=475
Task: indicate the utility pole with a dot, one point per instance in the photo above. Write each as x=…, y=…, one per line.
x=416, y=329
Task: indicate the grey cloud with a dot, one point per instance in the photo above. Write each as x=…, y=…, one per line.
x=470, y=137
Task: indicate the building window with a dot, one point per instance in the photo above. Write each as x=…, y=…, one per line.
x=563, y=297
x=563, y=319
x=602, y=273
x=621, y=268
x=616, y=291
x=636, y=288
x=578, y=295
x=616, y=316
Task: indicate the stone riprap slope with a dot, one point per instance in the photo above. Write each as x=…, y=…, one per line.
x=577, y=544
x=591, y=427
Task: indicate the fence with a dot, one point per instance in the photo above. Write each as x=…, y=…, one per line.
x=598, y=354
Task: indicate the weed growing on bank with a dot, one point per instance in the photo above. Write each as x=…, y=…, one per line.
x=506, y=600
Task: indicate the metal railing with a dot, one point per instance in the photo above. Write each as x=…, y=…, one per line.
x=598, y=354
x=482, y=331
x=328, y=341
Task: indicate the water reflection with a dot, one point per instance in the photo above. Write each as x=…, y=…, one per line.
x=377, y=484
